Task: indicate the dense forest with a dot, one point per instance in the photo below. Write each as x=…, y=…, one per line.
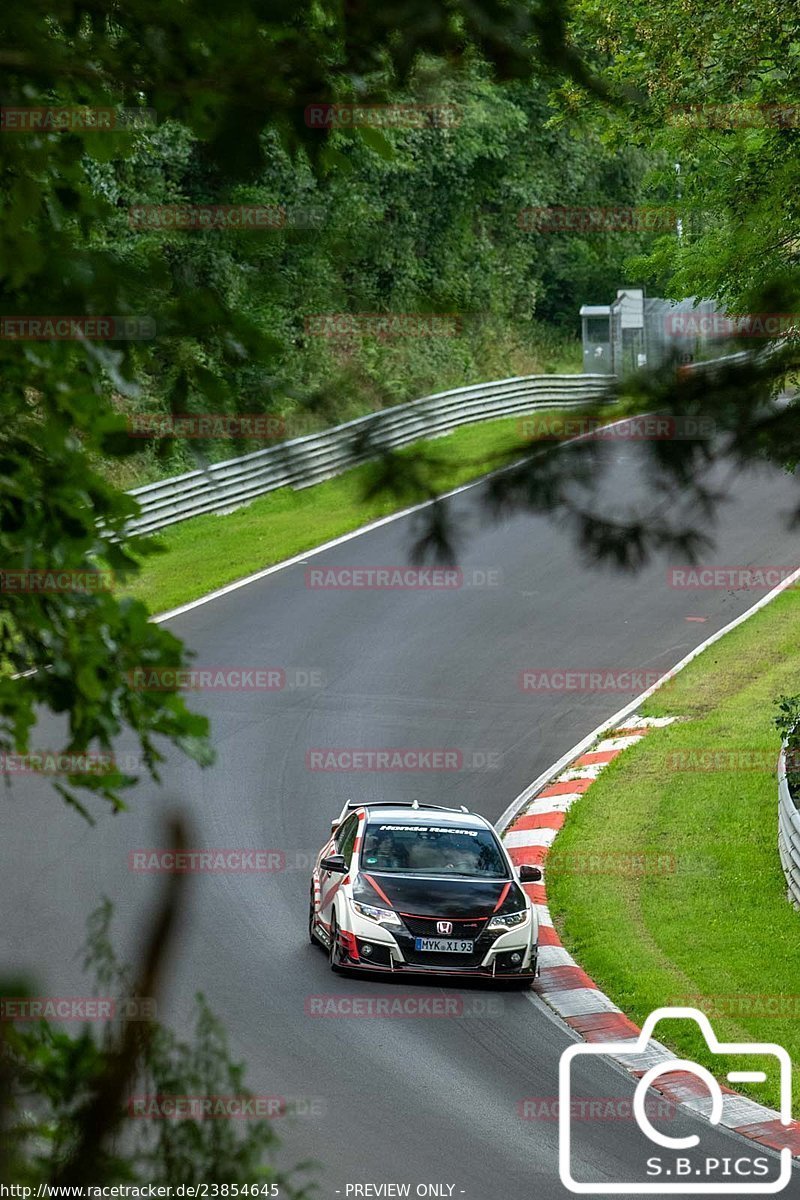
x=409, y=216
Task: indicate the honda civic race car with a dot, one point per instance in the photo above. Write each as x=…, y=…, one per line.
x=421, y=889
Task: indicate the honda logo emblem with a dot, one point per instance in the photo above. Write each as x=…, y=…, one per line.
x=444, y=926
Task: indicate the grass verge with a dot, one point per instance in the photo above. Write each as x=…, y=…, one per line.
x=717, y=934
x=208, y=551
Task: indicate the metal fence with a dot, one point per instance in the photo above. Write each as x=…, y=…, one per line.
x=224, y=486
x=635, y=331
x=788, y=834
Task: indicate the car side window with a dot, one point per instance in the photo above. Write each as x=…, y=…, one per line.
x=346, y=836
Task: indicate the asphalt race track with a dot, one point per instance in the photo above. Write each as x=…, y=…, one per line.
x=422, y=1100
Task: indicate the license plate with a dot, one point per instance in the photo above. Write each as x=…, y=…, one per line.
x=444, y=945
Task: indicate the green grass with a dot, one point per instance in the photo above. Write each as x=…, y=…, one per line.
x=720, y=925
x=209, y=551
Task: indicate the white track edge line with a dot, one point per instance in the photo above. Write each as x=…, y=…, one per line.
x=354, y=533
x=580, y=747
x=546, y=776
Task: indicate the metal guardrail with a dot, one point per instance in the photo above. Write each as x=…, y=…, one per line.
x=224, y=486
x=788, y=833
x=707, y=364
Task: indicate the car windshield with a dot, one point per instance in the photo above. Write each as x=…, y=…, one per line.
x=410, y=849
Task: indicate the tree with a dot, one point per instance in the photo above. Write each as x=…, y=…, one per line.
x=56, y=1131
x=217, y=80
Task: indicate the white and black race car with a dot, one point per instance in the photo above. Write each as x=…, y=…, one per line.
x=416, y=888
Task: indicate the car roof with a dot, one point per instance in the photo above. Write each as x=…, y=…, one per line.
x=403, y=814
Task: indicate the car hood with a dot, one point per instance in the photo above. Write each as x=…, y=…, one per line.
x=431, y=897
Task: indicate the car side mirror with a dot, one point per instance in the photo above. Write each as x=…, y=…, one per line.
x=335, y=863
x=530, y=874
x=335, y=823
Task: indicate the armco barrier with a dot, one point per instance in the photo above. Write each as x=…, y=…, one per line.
x=224, y=486
x=788, y=834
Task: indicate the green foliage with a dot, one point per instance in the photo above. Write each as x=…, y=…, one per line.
x=50, y=1077
x=787, y=722
x=222, y=1151
x=63, y=553
x=428, y=223
x=395, y=220
x=420, y=219
x=788, y=716
x=739, y=171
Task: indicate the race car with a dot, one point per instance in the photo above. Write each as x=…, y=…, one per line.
x=421, y=889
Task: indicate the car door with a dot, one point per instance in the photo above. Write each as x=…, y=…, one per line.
x=330, y=881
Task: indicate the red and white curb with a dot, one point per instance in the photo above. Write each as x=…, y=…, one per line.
x=573, y=995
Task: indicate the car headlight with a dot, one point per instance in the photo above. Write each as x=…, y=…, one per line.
x=509, y=920
x=383, y=916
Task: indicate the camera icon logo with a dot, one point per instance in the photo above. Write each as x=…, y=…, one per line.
x=695, y=1186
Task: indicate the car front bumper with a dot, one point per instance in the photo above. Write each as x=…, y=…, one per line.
x=509, y=955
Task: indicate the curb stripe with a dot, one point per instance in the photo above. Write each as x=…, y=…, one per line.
x=602, y=756
x=548, y=936
x=621, y=743
x=534, y=855
x=542, y=820
x=604, y=1027
x=558, y=979
x=563, y=984
x=540, y=839
x=574, y=787
x=588, y=771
